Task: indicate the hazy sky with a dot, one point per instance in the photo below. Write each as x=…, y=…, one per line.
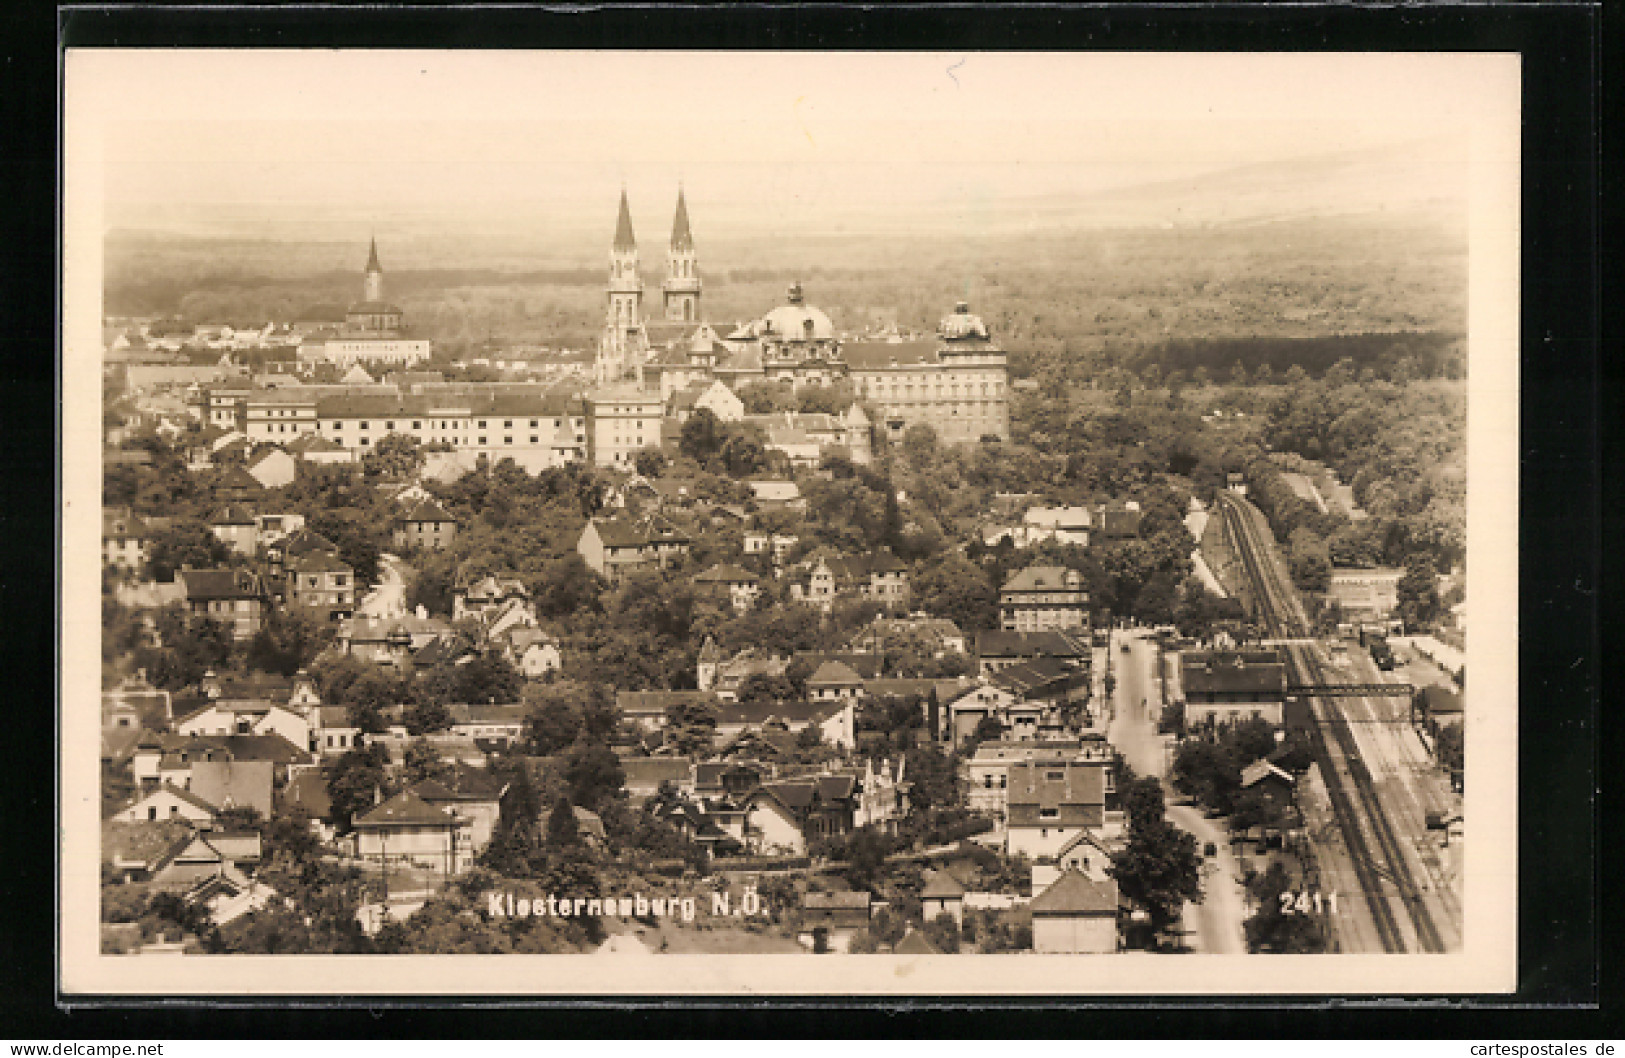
x=782, y=141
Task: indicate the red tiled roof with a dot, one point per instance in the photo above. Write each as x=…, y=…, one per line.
x=1075, y=893
x=870, y=356
x=942, y=884
x=405, y=809
x=915, y=943
x=320, y=562
x=835, y=673
x=427, y=511
x=210, y=584
x=1210, y=673
x=726, y=573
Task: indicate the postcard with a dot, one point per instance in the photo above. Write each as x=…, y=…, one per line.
x=740, y=523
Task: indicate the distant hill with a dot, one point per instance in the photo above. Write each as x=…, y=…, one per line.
x=1421, y=182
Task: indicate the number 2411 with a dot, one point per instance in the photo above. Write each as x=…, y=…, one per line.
x=1305, y=902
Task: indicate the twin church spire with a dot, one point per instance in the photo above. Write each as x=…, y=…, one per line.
x=680, y=293
x=625, y=343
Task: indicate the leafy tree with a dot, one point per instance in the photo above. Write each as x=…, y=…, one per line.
x=866, y=853
x=396, y=457
x=1207, y=771
x=920, y=443
x=561, y=825
x=766, y=687
x=1142, y=799
x=1272, y=928
x=594, y=774
x=1159, y=869
x=423, y=717
x=288, y=838
x=701, y=436
x=521, y=805
x=935, y=775
x=650, y=462
x=743, y=455
x=1253, y=808
x=691, y=726
x=422, y=761
x=347, y=680
x=288, y=640
x=184, y=543
x=1309, y=560
x=358, y=536
x=958, y=589
x=558, y=712
x=191, y=645
x=566, y=586
x=354, y=783
x=1417, y=593
x=943, y=932
x=488, y=677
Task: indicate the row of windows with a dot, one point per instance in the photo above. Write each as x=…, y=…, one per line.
x=445, y=424
x=881, y=388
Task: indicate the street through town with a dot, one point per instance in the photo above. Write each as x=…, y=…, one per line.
x=388, y=597
x=1213, y=926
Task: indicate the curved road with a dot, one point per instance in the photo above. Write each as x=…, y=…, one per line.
x=1215, y=923
x=388, y=598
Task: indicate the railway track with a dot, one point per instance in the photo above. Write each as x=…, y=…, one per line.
x=1375, y=850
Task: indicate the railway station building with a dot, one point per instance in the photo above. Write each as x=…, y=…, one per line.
x=1224, y=687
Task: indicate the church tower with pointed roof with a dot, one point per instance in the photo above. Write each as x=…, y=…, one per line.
x=681, y=290
x=621, y=347
x=373, y=289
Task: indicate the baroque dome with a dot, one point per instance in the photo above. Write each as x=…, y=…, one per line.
x=961, y=324
x=796, y=321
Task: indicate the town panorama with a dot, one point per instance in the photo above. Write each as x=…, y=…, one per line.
x=764, y=635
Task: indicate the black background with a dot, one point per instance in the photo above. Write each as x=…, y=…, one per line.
x=1569, y=511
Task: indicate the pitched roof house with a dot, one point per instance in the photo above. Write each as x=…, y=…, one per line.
x=426, y=525
x=1076, y=915
x=834, y=681
x=167, y=802
x=1050, y=801
x=826, y=576
x=1000, y=649
x=741, y=585
x=124, y=539
x=273, y=468
x=235, y=784
x=1041, y=598
x=614, y=547
x=408, y=830
x=234, y=597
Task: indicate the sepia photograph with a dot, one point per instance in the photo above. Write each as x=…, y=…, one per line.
x=840, y=523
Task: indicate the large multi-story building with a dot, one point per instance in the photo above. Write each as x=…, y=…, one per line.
x=957, y=383
x=1043, y=598
x=536, y=425
x=621, y=421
